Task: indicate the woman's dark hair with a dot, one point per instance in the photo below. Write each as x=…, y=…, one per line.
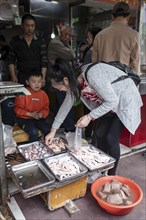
x=94, y=31
x=62, y=69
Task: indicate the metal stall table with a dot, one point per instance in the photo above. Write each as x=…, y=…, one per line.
x=7, y=89
x=59, y=192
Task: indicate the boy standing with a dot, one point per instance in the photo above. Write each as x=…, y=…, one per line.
x=32, y=110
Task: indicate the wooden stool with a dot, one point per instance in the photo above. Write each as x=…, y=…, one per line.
x=20, y=135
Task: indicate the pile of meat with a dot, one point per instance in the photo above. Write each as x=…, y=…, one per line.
x=58, y=145
x=116, y=193
x=91, y=157
x=34, y=151
x=64, y=167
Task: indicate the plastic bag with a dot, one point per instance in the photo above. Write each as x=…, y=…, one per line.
x=9, y=142
x=74, y=139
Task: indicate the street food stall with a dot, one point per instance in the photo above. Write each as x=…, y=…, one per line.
x=58, y=176
x=36, y=176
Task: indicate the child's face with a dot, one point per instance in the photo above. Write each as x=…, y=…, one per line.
x=34, y=82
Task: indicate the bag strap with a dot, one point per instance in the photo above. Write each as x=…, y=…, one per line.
x=120, y=78
x=91, y=66
x=116, y=80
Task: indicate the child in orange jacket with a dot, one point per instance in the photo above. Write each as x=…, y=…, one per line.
x=32, y=110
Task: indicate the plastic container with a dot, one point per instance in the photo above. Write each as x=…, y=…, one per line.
x=117, y=209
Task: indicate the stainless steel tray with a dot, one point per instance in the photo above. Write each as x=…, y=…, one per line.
x=59, y=149
x=88, y=160
x=34, y=151
x=63, y=160
x=30, y=176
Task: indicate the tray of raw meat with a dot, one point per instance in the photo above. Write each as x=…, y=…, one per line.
x=93, y=158
x=34, y=151
x=58, y=145
x=65, y=167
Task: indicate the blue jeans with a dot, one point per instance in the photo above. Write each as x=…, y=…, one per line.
x=31, y=126
x=69, y=122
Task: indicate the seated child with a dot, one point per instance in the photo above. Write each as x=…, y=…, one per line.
x=32, y=110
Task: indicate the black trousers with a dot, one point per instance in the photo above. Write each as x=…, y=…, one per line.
x=106, y=134
x=31, y=126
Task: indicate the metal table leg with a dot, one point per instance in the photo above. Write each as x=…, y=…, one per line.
x=3, y=177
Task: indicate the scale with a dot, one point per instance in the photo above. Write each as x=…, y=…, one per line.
x=7, y=89
x=10, y=89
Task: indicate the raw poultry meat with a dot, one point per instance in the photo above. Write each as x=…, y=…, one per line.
x=34, y=151
x=116, y=193
x=115, y=199
x=91, y=157
x=64, y=167
x=58, y=145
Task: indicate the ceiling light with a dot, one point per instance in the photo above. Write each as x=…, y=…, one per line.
x=54, y=2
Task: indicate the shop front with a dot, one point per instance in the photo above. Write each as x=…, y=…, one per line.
x=56, y=192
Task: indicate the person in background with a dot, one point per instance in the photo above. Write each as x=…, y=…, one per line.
x=59, y=47
x=91, y=33
x=8, y=115
x=28, y=52
x=114, y=108
x=87, y=58
x=32, y=110
x=118, y=42
x=82, y=47
x=4, y=50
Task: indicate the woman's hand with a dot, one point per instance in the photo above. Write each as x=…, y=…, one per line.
x=49, y=137
x=83, y=121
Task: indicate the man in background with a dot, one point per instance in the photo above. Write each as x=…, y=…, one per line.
x=118, y=42
x=4, y=50
x=27, y=51
x=8, y=115
x=59, y=47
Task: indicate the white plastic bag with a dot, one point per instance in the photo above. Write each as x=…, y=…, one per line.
x=9, y=142
x=74, y=139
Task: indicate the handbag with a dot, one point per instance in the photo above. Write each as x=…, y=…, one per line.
x=130, y=73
